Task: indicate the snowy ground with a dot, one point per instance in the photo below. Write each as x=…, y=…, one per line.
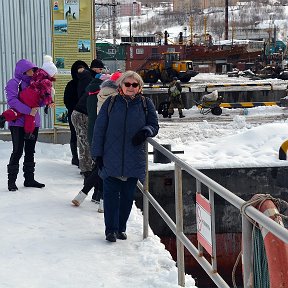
x=46, y=242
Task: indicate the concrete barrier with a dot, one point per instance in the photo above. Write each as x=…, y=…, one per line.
x=55, y=135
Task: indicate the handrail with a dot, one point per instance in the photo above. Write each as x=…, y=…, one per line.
x=211, y=87
x=214, y=187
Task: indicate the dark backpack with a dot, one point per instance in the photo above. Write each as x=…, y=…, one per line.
x=144, y=104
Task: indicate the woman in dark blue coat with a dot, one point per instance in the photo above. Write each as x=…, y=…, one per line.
x=118, y=146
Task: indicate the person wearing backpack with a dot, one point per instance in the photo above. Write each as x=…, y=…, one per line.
x=118, y=148
x=175, y=99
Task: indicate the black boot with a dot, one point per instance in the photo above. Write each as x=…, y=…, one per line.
x=28, y=169
x=181, y=115
x=2, y=121
x=74, y=151
x=12, y=176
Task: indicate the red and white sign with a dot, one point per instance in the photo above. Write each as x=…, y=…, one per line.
x=203, y=217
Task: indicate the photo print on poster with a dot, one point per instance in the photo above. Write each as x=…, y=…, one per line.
x=84, y=46
x=71, y=9
x=60, y=26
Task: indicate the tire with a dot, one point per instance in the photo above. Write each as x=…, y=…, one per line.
x=184, y=78
x=171, y=74
x=151, y=76
x=216, y=111
x=164, y=78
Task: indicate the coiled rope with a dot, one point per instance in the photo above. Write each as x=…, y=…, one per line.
x=260, y=264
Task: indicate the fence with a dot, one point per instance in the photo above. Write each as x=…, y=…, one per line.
x=177, y=228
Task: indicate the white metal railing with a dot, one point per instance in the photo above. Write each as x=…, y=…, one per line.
x=177, y=228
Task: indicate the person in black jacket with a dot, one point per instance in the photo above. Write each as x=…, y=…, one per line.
x=70, y=100
x=79, y=116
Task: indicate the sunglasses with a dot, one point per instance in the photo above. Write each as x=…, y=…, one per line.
x=134, y=85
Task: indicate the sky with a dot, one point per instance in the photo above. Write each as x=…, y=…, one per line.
x=46, y=242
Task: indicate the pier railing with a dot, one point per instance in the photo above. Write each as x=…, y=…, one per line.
x=177, y=228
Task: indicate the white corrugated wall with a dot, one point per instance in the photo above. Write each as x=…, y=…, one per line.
x=25, y=32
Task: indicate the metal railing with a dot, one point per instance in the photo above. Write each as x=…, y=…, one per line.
x=177, y=228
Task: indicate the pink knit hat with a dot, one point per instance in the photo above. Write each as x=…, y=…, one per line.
x=115, y=76
x=104, y=77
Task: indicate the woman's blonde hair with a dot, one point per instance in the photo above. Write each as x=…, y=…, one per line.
x=130, y=74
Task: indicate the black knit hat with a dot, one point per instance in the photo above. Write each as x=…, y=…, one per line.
x=96, y=63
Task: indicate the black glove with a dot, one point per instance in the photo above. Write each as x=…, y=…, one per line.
x=99, y=162
x=46, y=109
x=139, y=137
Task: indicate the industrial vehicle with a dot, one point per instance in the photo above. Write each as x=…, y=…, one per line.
x=166, y=68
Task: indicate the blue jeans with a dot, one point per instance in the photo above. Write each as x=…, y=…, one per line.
x=118, y=201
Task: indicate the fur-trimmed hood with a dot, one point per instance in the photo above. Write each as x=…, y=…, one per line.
x=109, y=84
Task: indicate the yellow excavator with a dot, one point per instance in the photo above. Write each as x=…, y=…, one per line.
x=166, y=68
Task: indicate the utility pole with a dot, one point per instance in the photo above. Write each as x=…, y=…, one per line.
x=114, y=17
x=114, y=21
x=226, y=19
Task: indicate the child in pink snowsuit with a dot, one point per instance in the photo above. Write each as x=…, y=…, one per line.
x=38, y=93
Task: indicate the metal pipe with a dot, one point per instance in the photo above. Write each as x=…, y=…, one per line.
x=247, y=252
x=179, y=225
x=213, y=232
x=145, y=199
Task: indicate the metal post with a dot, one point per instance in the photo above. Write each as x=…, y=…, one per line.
x=145, y=199
x=55, y=135
x=198, y=190
x=213, y=233
x=247, y=252
x=179, y=225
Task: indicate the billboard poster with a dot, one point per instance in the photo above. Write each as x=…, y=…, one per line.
x=73, y=39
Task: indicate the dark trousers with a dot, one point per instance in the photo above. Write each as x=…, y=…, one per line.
x=73, y=136
x=20, y=144
x=118, y=201
x=93, y=180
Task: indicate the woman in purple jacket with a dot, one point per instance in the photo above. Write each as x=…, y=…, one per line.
x=23, y=72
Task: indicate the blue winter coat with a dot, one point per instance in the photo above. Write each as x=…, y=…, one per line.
x=113, y=133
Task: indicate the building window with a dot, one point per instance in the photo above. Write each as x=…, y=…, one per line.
x=139, y=51
x=171, y=49
x=111, y=51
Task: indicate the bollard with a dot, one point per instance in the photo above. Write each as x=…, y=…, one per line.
x=158, y=157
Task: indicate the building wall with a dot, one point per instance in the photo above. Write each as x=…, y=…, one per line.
x=188, y=5
x=25, y=31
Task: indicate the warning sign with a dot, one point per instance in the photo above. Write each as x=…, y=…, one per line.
x=203, y=217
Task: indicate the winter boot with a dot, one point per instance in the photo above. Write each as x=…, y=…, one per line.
x=28, y=169
x=74, y=151
x=12, y=176
x=101, y=206
x=2, y=121
x=79, y=198
x=181, y=115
